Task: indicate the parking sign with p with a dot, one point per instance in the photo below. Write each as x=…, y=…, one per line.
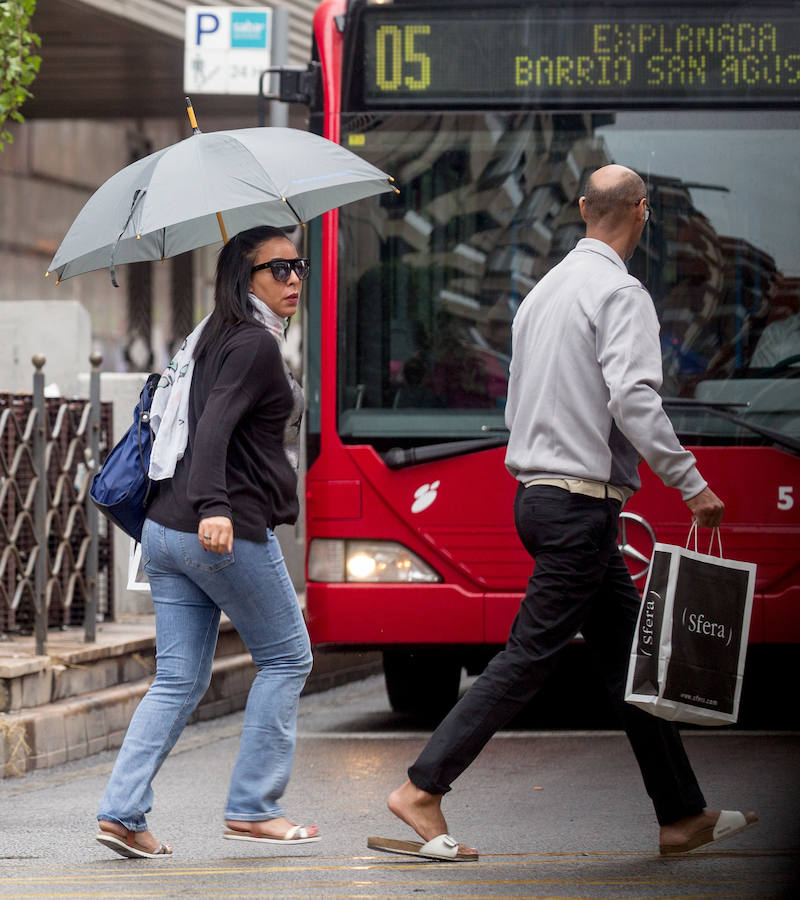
x=225, y=49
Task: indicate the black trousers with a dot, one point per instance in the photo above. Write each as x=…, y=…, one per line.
x=580, y=583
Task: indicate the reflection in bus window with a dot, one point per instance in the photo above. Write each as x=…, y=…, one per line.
x=779, y=344
x=430, y=279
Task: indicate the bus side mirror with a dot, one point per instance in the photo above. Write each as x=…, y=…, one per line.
x=295, y=83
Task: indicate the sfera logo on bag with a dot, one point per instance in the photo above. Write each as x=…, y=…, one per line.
x=698, y=623
x=644, y=678
x=647, y=632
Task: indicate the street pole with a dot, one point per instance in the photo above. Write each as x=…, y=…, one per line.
x=40, y=506
x=279, y=112
x=279, y=54
x=92, y=515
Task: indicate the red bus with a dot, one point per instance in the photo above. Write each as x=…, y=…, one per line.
x=490, y=116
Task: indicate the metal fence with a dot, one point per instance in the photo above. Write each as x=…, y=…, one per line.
x=55, y=550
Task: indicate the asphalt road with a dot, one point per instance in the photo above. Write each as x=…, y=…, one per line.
x=555, y=814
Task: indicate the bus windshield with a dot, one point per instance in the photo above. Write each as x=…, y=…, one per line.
x=430, y=278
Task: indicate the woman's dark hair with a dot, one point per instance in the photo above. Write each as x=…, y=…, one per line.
x=231, y=305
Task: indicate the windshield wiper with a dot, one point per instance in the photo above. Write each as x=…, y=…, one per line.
x=397, y=457
x=721, y=411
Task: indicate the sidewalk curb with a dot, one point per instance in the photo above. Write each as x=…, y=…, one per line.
x=71, y=729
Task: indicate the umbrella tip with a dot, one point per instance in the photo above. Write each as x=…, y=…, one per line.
x=190, y=113
x=47, y=274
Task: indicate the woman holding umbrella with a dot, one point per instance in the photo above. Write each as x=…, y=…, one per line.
x=227, y=413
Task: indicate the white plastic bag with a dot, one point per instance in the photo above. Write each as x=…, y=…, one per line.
x=137, y=580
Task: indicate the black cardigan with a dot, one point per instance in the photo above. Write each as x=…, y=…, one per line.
x=235, y=464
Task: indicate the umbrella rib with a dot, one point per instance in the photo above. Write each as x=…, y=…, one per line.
x=258, y=163
x=294, y=211
x=137, y=196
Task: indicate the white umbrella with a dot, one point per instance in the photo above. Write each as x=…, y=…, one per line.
x=208, y=187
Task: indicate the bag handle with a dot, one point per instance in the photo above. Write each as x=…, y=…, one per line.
x=715, y=533
x=144, y=422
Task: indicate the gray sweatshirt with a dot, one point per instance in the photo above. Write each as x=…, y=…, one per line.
x=585, y=371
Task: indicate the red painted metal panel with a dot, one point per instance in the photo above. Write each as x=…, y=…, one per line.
x=382, y=615
x=333, y=499
x=781, y=617
x=457, y=515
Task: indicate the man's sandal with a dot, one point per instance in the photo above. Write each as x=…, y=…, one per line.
x=729, y=822
x=443, y=847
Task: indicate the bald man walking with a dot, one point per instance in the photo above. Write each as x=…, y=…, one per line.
x=582, y=410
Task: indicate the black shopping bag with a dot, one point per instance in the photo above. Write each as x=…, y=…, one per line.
x=687, y=659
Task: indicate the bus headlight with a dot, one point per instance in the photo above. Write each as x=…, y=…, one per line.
x=366, y=562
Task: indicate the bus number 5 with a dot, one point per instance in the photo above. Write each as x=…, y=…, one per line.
x=785, y=498
x=394, y=46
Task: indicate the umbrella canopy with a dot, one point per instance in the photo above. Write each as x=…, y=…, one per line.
x=208, y=187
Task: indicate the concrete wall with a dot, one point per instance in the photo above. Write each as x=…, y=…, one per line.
x=59, y=331
x=46, y=176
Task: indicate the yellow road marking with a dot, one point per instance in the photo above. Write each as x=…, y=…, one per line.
x=368, y=878
x=370, y=863
x=307, y=893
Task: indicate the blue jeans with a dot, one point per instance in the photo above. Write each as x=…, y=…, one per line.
x=190, y=586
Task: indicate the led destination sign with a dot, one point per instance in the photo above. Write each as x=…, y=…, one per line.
x=656, y=55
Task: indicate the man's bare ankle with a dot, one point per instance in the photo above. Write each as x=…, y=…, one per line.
x=690, y=824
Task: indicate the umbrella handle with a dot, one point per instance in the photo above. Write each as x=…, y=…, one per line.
x=222, y=228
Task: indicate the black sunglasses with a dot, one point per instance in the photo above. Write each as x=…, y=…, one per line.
x=282, y=268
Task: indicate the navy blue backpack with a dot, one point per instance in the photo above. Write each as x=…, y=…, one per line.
x=121, y=489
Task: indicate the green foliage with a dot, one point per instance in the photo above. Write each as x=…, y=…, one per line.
x=18, y=64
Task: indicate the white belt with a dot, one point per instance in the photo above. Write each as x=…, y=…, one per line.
x=594, y=489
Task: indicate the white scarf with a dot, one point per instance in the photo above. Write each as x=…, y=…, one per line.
x=169, y=413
